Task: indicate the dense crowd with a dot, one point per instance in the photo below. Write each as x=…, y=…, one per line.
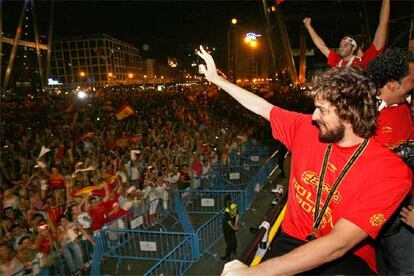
x=69, y=165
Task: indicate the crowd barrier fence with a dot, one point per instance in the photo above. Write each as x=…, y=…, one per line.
x=174, y=252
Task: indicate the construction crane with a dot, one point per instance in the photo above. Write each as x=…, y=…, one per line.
x=18, y=42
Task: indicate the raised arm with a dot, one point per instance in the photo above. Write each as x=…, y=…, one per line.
x=381, y=32
x=315, y=37
x=344, y=236
x=249, y=100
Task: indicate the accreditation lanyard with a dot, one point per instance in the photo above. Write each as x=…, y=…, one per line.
x=318, y=215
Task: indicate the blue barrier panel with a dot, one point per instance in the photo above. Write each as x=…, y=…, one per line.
x=177, y=262
x=239, y=174
x=209, y=201
x=258, y=181
x=210, y=232
x=182, y=215
x=126, y=244
x=138, y=244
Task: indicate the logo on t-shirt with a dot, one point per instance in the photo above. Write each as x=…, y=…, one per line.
x=312, y=178
x=377, y=220
x=387, y=129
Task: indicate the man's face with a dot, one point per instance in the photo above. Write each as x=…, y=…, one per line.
x=75, y=210
x=395, y=92
x=4, y=251
x=345, y=48
x=331, y=128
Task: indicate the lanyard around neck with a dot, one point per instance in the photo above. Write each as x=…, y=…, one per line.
x=318, y=215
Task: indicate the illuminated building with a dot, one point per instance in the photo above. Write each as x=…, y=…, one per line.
x=95, y=61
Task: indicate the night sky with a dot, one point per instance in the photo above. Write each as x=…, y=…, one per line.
x=169, y=27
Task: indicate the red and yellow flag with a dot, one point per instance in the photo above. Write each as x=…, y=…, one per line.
x=124, y=112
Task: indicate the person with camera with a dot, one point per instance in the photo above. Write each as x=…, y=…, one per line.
x=343, y=185
x=393, y=74
x=346, y=55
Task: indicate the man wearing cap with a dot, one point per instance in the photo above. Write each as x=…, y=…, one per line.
x=346, y=55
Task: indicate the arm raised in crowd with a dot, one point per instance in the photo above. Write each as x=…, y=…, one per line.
x=317, y=40
x=381, y=32
x=249, y=100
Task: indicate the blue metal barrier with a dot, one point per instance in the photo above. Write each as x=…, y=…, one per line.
x=240, y=175
x=182, y=215
x=145, y=245
x=210, y=232
x=177, y=262
x=209, y=201
x=176, y=251
x=258, y=181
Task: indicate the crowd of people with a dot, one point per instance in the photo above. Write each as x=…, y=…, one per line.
x=69, y=165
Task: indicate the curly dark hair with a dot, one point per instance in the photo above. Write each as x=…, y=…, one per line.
x=392, y=65
x=353, y=95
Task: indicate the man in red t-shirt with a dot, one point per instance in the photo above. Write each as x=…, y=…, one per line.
x=343, y=186
x=97, y=211
x=346, y=55
x=393, y=74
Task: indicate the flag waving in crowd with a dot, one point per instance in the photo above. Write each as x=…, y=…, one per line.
x=124, y=112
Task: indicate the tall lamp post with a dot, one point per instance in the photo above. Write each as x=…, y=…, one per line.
x=231, y=64
x=82, y=75
x=252, y=42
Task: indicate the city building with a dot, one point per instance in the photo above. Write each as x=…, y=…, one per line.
x=95, y=61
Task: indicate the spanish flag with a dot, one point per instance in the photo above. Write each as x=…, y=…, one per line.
x=124, y=112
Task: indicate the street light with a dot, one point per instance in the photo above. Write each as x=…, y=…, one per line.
x=231, y=34
x=251, y=39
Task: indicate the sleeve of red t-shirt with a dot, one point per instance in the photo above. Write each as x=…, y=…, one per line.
x=284, y=124
x=370, y=54
x=333, y=58
x=380, y=198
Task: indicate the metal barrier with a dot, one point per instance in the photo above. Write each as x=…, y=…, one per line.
x=176, y=251
x=210, y=232
x=240, y=175
x=257, y=248
x=177, y=262
x=257, y=182
x=145, y=245
x=209, y=201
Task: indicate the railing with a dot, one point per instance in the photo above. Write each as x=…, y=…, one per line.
x=264, y=237
x=145, y=245
x=174, y=252
x=210, y=232
x=177, y=262
x=209, y=201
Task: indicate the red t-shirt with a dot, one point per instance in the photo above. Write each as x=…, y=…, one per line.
x=334, y=58
x=98, y=216
x=394, y=125
x=111, y=205
x=57, y=182
x=197, y=167
x=45, y=245
x=368, y=195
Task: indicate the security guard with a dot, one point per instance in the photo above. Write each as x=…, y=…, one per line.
x=230, y=226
